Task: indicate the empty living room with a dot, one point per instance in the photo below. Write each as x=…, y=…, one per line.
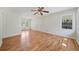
x=39, y=29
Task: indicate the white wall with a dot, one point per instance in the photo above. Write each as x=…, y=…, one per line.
x=11, y=22
x=37, y=23
x=12, y=18
x=52, y=24
x=77, y=25
x=47, y=23
x=78, y=20
x=0, y=27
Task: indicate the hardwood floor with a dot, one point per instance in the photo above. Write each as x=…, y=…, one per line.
x=31, y=40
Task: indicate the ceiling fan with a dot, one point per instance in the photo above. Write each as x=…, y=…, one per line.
x=40, y=10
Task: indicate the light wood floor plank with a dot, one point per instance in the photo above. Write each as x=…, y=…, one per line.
x=31, y=40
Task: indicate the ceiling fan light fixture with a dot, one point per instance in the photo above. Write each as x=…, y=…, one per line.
x=40, y=10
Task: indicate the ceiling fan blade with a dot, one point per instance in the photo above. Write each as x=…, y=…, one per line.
x=34, y=10
x=35, y=13
x=46, y=11
x=41, y=13
x=40, y=8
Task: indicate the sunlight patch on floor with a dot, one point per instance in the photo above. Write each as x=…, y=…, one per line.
x=25, y=38
x=64, y=43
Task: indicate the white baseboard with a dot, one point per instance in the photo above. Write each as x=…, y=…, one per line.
x=54, y=33
x=11, y=35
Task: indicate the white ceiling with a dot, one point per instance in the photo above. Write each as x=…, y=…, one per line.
x=57, y=9
x=29, y=9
